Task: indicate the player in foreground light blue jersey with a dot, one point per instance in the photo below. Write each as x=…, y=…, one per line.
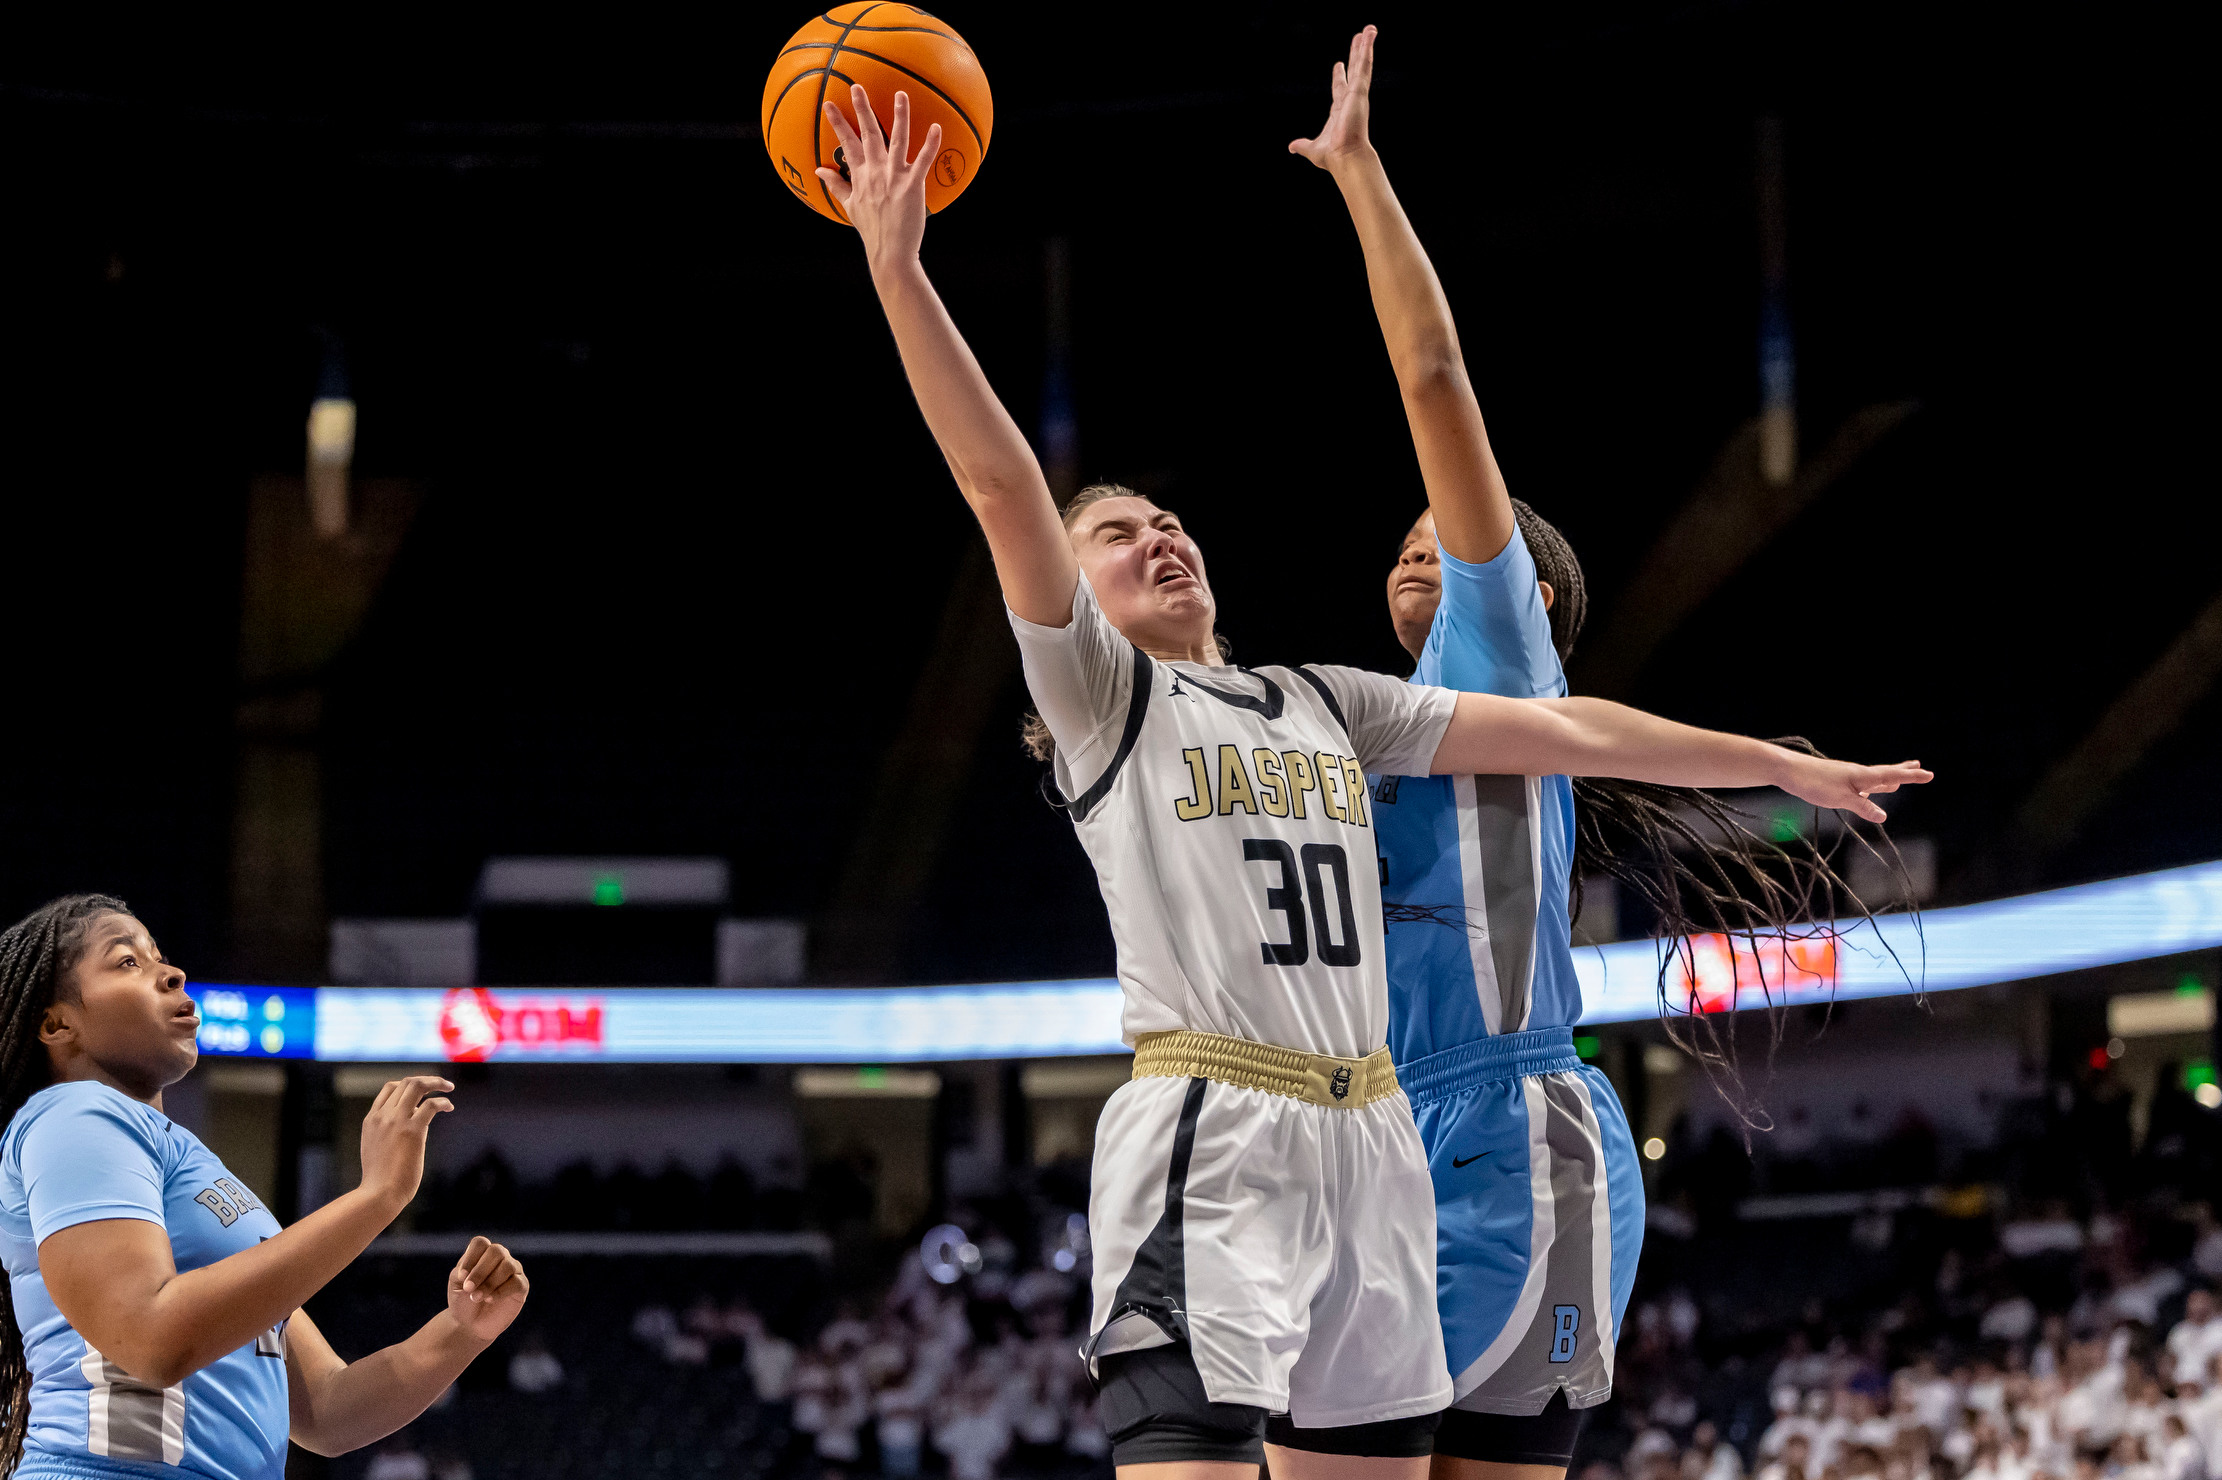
x=1539, y=1195
x=151, y=1325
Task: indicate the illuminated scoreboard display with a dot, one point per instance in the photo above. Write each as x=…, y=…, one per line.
x=2032, y=935
x=256, y=1022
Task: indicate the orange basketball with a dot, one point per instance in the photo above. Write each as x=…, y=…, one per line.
x=888, y=48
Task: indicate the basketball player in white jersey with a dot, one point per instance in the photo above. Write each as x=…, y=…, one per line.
x=1262, y=1215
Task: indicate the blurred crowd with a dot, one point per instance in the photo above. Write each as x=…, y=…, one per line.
x=2043, y=1348
x=975, y=1377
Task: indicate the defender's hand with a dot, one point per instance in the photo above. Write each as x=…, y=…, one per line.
x=885, y=192
x=486, y=1289
x=1344, y=136
x=1847, y=786
x=393, y=1136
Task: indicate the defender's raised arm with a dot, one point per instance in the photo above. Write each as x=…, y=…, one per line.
x=885, y=198
x=1473, y=512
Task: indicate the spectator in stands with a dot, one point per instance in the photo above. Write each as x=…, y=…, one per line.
x=769, y=1358
x=974, y=1434
x=2206, y=1247
x=900, y=1416
x=2180, y=1457
x=398, y=1459
x=1709, y=1457
x=534, y=1369
x=2197, y=1338
x=1794, y=1460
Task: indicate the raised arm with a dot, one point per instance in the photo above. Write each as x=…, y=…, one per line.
x=885, y=198
x=1473, y=512
x=1489, y=735
x=339, y=1406
x=116, y=1284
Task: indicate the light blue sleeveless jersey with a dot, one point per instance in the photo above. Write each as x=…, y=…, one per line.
x=81, y=1152
x=1498, y=848
x=1538, y=1193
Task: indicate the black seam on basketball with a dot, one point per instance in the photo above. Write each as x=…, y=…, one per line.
x=772, y=114
x=928, y=30
x=888, y=31
x=928, y=82
x=817, y=129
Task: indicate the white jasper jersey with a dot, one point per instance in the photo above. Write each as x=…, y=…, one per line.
x=1226, y=813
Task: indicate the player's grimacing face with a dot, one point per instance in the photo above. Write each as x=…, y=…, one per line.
x=131, y=1015
x=1147, y=573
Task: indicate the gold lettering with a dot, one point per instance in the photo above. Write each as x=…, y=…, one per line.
x=1330, y=782
x=1188, y=809
x=1272, y=793
x=1354, y=787
x=1234, y=784
x=1300, y=780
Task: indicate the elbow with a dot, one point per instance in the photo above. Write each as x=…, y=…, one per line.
x=158, y=1369
x=1432, y=374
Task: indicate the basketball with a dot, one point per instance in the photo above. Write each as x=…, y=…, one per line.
x=886, y=48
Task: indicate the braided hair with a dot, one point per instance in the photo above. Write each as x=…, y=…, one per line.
x=1696, y=861
x=37, y=954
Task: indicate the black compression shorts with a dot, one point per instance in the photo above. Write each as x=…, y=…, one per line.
x=1545, y=1438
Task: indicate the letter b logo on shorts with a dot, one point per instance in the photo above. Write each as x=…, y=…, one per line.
x=1566, y=1320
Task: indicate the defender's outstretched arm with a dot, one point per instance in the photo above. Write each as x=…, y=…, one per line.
x=885, y=198
x=1494, y=736
x=1473, y=511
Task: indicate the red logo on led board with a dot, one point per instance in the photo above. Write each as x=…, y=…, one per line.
x=474, y=1023
x=1710, y=973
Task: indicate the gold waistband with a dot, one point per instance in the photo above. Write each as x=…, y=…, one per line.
x=1339, y=1084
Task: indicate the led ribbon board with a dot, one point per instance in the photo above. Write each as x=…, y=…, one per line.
x=2156, y=914
x=2005, y=940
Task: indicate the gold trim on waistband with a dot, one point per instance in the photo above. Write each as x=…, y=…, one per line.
x=1338, y=1084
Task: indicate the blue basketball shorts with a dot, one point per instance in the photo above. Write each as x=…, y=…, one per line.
x=1538, y=1216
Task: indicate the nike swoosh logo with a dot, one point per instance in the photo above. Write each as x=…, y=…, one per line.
x=1455, y=1163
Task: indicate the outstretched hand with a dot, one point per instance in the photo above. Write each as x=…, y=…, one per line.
x=1844, y=785
x=1350, y=104
x=883, y=191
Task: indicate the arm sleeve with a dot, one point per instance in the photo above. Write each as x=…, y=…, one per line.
x=1080, y=676
x=1396, y=728
x=1492, y=633
x=85, y=1159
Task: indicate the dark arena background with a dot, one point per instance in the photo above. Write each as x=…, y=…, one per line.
x=645, y=644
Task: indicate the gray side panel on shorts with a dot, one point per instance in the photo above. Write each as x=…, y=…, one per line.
x=1563, y=1345
x=1505, y=805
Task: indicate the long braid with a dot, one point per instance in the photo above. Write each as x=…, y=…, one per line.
x=36, y=955
x=1696, y=861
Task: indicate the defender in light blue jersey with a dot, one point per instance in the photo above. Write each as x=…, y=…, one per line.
x=1538, y=1194
x=151, y=1324
x=1539, y=1200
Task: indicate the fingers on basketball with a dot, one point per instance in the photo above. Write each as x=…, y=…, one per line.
x=883, y=49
